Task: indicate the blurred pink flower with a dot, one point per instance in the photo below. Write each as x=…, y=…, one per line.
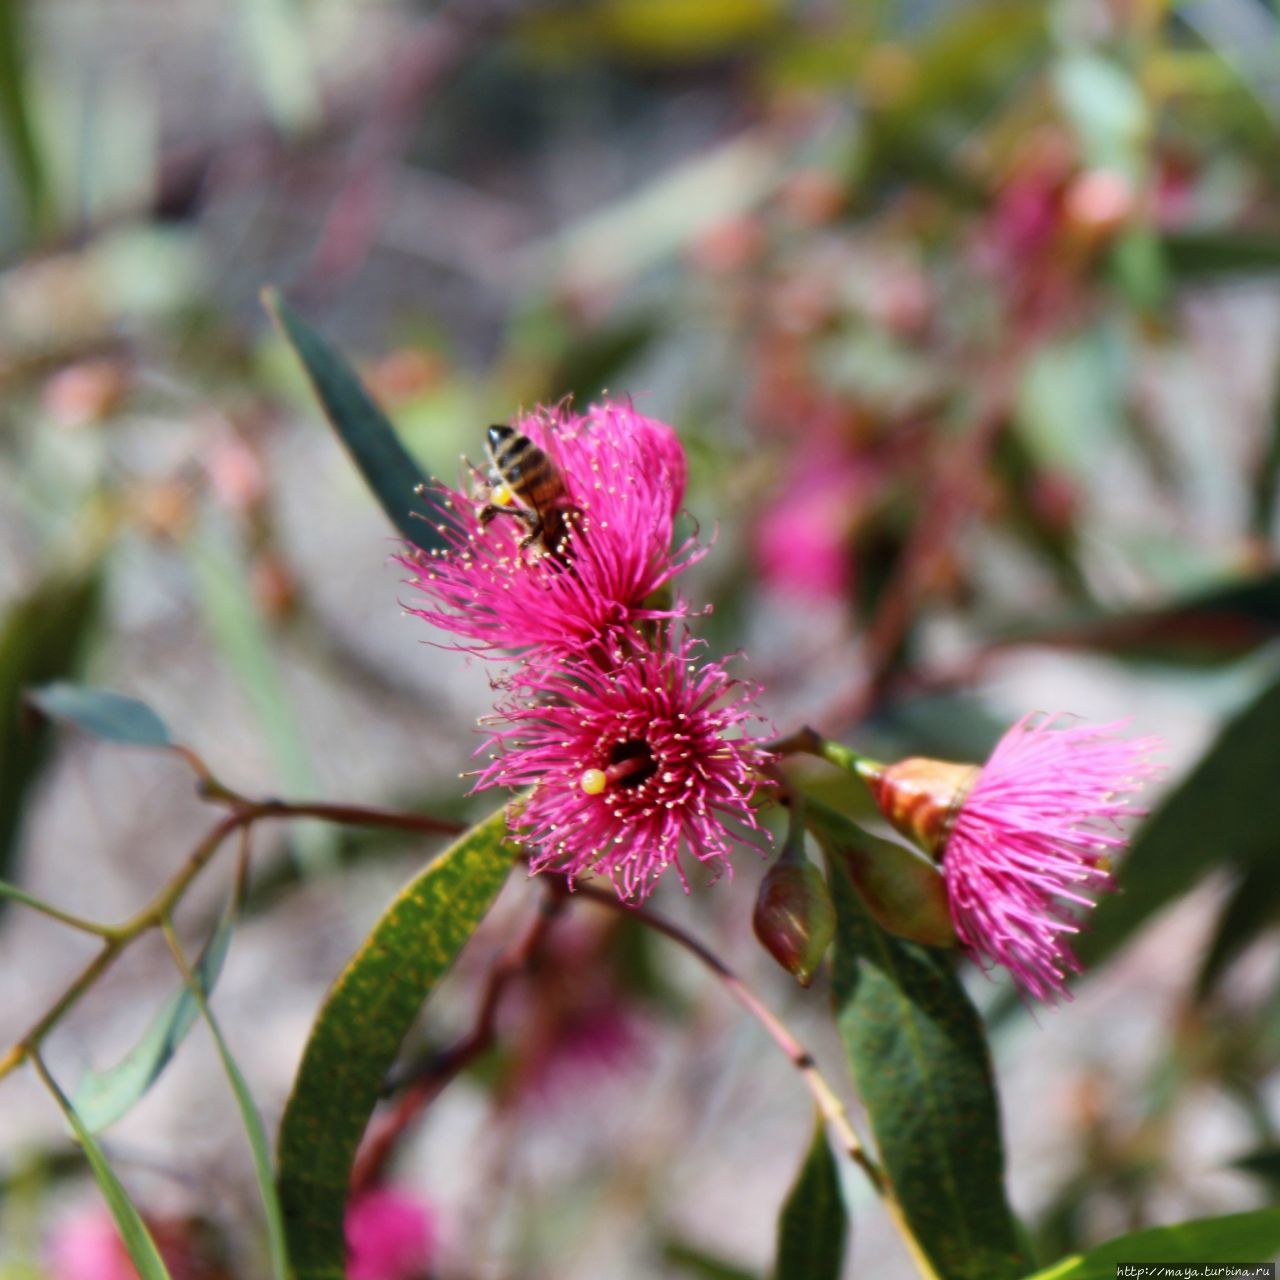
x=802, y=540
x=88, y=1247
x=631, y=766
x=390, y=1236
x=626, y=475
x=1025, y=843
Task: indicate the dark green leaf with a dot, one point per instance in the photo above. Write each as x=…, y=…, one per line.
x=103, y=1097
x=392, y=475
x=133, y=1231
x=1196, y=256
x=923, y=1069
x=114, y=717
x=1216, y=624
x=1264, y=1164
x=359, y=1029
x=1252, y=909
x=44, y=637
x=1226, y=810
x=1239, y=1238
x=687, y=1259
x=813, y=1228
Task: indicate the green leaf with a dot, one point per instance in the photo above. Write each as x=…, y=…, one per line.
x=359, y=1029
x=690, y=1260
x=1219, y=623
x=903, y=890
x=133, y=1231
x=1239, y=1238
x=251, y=1120
x=114, y=717
x=103, y=1097
x=1226, y=810
x=923, y=1070
x=43, y=637
x=246, y=644
x=814, y=1226
x=1263, y=1163
x=16, y=125
x=1204, y=255
x=391, y=474
x=1252, y=909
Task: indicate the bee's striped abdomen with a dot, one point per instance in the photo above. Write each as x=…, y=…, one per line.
x=529, y=473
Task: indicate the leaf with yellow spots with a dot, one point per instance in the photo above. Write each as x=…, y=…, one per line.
x=358, y=1032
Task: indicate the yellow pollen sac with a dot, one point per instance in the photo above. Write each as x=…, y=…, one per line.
x=593, y=781
x=501, y=496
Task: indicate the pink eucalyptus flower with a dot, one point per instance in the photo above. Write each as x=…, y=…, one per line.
x=1025, y=843
x=802, y=541
x=625, y=476
x=88, y=1247
x=631, y=767
x=390, y=1236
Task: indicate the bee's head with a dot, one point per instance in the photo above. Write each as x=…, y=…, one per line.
x=498, y=435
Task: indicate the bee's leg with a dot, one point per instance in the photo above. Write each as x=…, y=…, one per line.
x=489, y=511
x=533, y=522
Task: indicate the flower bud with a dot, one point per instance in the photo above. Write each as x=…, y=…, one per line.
x=904, y=892
x=921, y=798
x=794, y=918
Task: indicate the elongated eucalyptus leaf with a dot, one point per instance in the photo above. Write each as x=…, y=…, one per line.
x=1196, y=256
x=43, y=637
x=258, y=1145
x=683, y=1259
x=17, y=129
x=1252, y=909
x=103, y=1097
x=1263, y=1163
x=922, y=1066
x=1236, y=1238
x=392, y=475
x=247, y=646
x=114, y=717
x=1226, y=810
x=813, y=1228
x=1214, y=625
x=359, y=1029
x=133, y=1231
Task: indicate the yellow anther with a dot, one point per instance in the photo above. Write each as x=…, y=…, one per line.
x=593, y=781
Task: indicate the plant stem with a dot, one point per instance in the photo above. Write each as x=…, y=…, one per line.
x=803, y=1061
x=828, y=1102
x=116, y=938
x=811, y=742
x=14, y=894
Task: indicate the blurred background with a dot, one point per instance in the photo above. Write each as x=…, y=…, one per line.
x=969, y=317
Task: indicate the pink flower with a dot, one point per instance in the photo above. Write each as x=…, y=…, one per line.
x=802, y=541
x=1025, y=843
x=631, y=767
x=88, y=1247
x=390, y=1236
x=625, y=476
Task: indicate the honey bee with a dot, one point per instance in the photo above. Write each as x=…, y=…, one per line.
x=531, y=488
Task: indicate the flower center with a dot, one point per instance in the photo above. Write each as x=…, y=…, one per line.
x=631, y=763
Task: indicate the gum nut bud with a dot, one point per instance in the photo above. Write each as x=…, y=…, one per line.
x=904, y=892
x=921, y=797
x=794, y=918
